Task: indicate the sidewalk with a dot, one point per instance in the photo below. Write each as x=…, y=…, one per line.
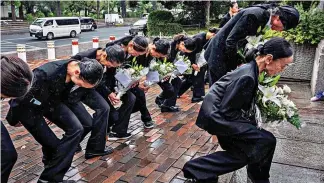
x=157, y=155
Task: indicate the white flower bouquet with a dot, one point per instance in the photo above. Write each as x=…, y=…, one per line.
x=127, y=77
x=272, y=103
x=183, y=66
x=201, y=61
x=158, y=71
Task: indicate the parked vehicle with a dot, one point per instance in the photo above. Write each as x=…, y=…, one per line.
x=145, y=15
x=113, y=19
x=88, y=23
x=139, y=26
x=52, y=27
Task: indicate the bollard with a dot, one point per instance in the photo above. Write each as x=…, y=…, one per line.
x=21, y=50
x=112, y=38
x=95, y=42
x=50, y=50
x=75, y=47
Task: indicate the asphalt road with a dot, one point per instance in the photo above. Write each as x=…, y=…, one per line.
x=9, y=42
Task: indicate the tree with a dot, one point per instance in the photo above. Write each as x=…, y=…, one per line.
x=123, y=7
x=98, y=9
x=154, y=6
x=13, y=11
x=58, y=9
x=21, y=10
x=169, y=4
x=207, y=13
x=29, y=6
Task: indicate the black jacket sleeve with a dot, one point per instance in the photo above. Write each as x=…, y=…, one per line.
x=247, y=25
x=224, y=20
x=237, y=95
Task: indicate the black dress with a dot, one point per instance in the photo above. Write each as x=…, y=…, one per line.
x=225, y=113
x=221, y=52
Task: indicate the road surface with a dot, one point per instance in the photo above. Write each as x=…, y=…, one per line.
x=9, y=42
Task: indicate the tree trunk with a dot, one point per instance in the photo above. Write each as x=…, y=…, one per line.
x=58, y=10
x=207, y=13
x=321, y=5
x=123, y=7
x=85, y=12
x=21, y=10
x=154, y=5
x=98, y=9
x=13, y=11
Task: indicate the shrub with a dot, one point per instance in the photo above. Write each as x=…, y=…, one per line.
x=40, y=14
x=30, y=18
x=50, y=14
x=162, y=21
x=166, y=29
x=310, y=30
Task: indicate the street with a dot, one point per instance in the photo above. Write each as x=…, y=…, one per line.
x=9, y=42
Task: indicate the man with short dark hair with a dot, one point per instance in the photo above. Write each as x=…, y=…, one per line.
x=54, y=85
x=110, y=58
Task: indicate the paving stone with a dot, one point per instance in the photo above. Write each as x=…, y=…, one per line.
x=167, y=177
x=146, y=171
x=166, y=165
x=153, y=177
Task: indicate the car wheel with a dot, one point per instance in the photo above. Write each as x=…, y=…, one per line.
x=72, y=34
x=50, y=36
x=92, y=28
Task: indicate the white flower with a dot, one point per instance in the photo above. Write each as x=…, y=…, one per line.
x=162, y=67
x=290, y=112
x=286, y=89
x=131, y=71
x=281, y=112
x=153, y=65
x=280, y=91
x=269, y=94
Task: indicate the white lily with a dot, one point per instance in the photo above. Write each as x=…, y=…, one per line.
x=269, y=94
x=144, y=71
x=280, y=90
x=286, y=89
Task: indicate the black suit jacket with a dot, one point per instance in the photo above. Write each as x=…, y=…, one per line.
x=224, y=20
x=222, y=49
x=225, y=108
x=48, y=89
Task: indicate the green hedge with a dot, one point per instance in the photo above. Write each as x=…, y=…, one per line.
x=166, y=29
x=310, y=30
x=162, y=22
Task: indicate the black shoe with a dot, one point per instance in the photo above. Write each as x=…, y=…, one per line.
x=196, y=99
x=257, y=181
x=118, y=136
x=78, y=149
x=169, y=108
x=199, y=181
x=159, y=101
x=108, y=150
x=149, y=124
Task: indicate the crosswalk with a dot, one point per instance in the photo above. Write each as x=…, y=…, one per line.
x=7, y=46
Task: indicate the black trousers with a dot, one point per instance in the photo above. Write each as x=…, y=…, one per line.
x=119, y=119
x=58, y=152
x=97, y=124
x=254, y=148
x=171, y=100
x=216, y=73
x=8, y=154
x=198, y=83
x=140, y=104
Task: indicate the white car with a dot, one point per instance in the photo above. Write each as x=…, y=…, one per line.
x=52, y=27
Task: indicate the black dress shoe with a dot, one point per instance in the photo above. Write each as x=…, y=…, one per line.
x=78, y=149
x=159, y=101
x=108, y=150
x=196, y=99
x=169, y=108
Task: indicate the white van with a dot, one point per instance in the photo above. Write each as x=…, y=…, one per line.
x=113, y=19
x=55, y=27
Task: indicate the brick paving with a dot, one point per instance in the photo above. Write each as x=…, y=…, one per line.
x=150, y=155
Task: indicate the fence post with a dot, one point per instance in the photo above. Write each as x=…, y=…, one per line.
x=50, y=50
x=95, y=42
x=21, y=50
x=75, y=47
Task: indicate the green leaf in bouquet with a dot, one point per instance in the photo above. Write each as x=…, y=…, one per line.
x=261, y=77
x=295, y=120
x=259, y=29
x=275, y=80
